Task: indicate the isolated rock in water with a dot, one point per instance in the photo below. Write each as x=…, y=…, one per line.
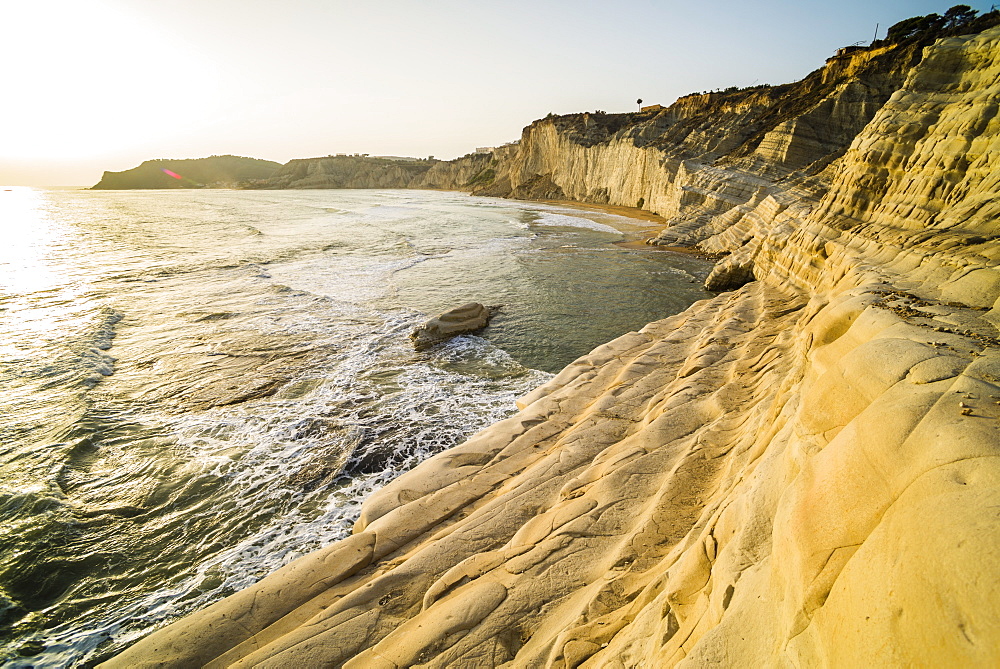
x=467, y=318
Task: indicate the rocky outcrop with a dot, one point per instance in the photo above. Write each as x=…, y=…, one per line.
x=211, y=172
x=460, y=320
x=803, y=471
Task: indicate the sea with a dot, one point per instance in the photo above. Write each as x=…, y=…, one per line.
x=199, y=386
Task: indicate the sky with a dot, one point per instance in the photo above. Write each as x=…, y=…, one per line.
x=94, y=85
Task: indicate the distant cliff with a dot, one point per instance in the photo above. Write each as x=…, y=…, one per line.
x=372, y=172
x=661, y=159
x=710, y=150
x=212, y=172
x=466, y=173
x=347, y=172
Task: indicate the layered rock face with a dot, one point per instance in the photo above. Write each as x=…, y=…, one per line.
x=705, y=153
x=803, y=471
x=347, y=172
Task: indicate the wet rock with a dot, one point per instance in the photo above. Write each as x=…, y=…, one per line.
x=462, y=320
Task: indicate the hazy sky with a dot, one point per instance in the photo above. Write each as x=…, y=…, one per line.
x=105, y=84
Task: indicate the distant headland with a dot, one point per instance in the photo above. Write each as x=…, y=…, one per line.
x=211, y=172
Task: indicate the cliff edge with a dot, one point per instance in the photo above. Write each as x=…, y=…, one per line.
x=802, y=471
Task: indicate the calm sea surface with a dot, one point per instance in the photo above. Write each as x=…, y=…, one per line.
x=200, y=386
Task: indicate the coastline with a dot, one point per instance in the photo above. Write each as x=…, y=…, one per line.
x=643, y=234
x=652, y=224
x=799, y=471
x=628, y=212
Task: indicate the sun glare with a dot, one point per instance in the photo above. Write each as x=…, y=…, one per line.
x=25, y=268
x=90, y=78
x=27, y=234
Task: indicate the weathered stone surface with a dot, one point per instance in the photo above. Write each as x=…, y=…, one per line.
x=460, y=320
x=804, y=471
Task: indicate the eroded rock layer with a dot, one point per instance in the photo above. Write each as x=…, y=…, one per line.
x=801, y=472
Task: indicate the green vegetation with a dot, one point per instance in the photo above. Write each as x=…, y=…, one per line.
x=483, y=177
x=730, y=90
x=214, y=171
x=959, y=20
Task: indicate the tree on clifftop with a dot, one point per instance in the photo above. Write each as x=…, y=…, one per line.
x=956, y=21
x=913, y=27
x=959, y=15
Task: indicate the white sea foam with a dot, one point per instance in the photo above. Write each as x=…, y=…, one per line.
x=384, y=212
x=565, y=221
x=346, y=279
x=384, y=406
